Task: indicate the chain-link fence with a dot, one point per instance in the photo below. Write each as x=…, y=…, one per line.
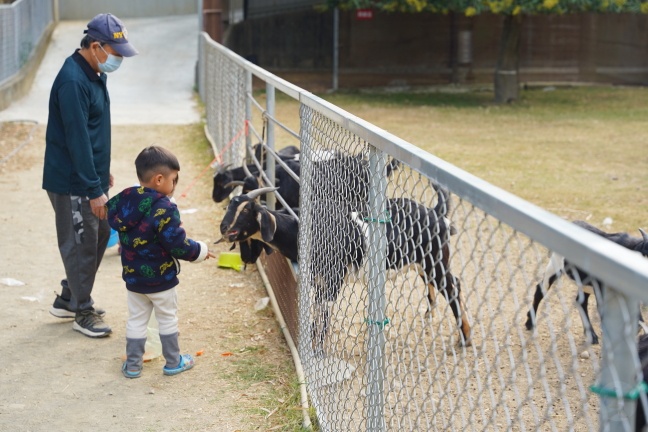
x=424, y=292
x=22, y=24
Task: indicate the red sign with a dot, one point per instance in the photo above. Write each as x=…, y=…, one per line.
x=364, y=14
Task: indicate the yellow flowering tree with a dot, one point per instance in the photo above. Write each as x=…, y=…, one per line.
x=506, y=71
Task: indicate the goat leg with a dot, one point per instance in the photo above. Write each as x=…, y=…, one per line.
x=450, y=287
x=319, y=328
x=554, y=270
x=537, y=298
x=582, y=298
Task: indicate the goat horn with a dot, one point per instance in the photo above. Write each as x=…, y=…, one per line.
x=246, y=170
x=257, y=192
x=223, y=168
x=234, y=183
x=643, y=234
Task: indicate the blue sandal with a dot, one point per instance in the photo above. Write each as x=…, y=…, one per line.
x=130, y=374
x=186, y=363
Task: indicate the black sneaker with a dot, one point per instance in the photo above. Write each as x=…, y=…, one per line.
x=90, y=324
x=61, y=309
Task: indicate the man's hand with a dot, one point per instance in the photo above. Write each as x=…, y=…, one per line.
x=111, y=181
x=98, y=206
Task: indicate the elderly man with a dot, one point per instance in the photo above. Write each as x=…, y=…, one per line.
x=76, y=172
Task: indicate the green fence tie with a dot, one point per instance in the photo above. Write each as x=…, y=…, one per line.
x=380, y=324
x=632, y=394
x=372, y=219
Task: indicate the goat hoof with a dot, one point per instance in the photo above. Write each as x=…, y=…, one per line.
x=592, y=337
x=465, y=341
x=319, y=353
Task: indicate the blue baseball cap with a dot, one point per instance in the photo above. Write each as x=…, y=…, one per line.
x=107, y=28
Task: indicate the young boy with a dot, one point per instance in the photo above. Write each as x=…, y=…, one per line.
x=152, y=242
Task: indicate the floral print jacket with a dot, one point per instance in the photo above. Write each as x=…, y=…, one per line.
x=152, y=239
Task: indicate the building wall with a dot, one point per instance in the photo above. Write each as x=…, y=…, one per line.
x=301, y=40
x=85, y=9
x=427, y=48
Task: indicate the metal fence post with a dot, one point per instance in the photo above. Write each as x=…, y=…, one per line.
x=619, y=361
x=336, y=47
x=270, y=162
x=17, y=36
x=202, y=67
x=376, y=320
x=248, y=106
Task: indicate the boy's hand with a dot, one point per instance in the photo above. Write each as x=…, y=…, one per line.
x=210, y=254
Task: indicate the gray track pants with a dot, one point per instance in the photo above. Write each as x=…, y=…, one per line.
x=82, y=240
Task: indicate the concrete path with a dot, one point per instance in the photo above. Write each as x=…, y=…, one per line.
x=154, y=87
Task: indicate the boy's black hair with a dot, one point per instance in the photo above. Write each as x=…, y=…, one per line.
x=154, y=159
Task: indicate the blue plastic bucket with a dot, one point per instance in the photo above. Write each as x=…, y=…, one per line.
x=114, y=238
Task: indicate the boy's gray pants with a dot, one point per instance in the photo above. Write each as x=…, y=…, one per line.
x=82, y=241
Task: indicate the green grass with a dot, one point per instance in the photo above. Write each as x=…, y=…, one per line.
x=579, y=152
x=278, y=402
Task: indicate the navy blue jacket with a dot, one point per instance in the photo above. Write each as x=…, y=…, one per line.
x=77, y=152
x=151, y=238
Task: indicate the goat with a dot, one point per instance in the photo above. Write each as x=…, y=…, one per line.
x=283, y=180
x=246, y=219
x=557, y=267
x=224, y=176
x=336, y=174
x=251, y=249
x=415, y=235
x=642, y=351
x=288, y=152
x=344, y=180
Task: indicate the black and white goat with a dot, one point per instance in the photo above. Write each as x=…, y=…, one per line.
x=252, y=248
x=246, y=219
x=224, y=175
x=558, y=266
x=415, y=235
x=284, y=181
x=344, y=179
x=288, y=152
x=642, y=352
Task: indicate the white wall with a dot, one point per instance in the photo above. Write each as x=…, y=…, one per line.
x=86, y=9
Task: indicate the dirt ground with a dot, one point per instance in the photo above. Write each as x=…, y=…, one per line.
x=53, y=378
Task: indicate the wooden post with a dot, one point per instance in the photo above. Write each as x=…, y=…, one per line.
x=587, y=50
x=213, y=19
x=506, y=73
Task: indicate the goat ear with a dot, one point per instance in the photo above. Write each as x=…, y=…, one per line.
x=267, y=223
x=268, y=249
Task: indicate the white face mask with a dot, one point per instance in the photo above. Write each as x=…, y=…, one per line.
x=112, y=62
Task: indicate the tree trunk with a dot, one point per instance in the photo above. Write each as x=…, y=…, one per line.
x=452, y=49
x=587, y=50
x=461, y=49
x=507, y=87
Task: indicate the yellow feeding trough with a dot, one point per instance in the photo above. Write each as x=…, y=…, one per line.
x=230, y=260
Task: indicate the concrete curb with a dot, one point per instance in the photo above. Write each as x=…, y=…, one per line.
x=18, y=85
